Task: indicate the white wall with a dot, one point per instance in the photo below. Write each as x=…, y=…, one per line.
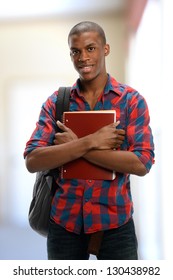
x=150, y=70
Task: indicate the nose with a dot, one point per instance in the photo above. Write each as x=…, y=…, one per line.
x=83, y=56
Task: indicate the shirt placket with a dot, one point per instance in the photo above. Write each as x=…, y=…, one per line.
x=87, y=204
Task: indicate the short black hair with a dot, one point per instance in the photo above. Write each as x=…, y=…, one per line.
x=87, y=26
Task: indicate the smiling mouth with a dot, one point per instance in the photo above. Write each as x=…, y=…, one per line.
x=86, y=68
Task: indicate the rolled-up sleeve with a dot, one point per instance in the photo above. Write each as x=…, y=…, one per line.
x=139, y=133
x=44, y=132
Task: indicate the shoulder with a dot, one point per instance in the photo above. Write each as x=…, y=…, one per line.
x=48, y=106
x=125, y=89
x=130, y=93
x=121, y=88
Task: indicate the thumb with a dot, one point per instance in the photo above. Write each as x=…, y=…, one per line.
x=62, y=126
x=117, y=123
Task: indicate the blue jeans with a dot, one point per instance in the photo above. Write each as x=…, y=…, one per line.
x=117, y=244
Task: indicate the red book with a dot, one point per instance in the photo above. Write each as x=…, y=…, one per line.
x=83, y=123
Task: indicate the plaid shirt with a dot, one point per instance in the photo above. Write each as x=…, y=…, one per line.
x=96, y=204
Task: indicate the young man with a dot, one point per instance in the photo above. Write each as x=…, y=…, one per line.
x=82, y=208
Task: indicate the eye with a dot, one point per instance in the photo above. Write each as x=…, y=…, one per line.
x=91, y=49
x=74, y=52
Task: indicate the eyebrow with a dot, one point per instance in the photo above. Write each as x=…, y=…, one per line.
x=87, y=46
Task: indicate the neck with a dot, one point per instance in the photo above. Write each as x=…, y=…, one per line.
x=91, y=90
x=95, y=86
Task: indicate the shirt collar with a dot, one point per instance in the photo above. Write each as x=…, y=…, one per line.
x=112, y=85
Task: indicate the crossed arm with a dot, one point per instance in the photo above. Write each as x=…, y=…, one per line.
x=98, y=148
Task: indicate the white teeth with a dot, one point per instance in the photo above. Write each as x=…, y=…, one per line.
x=87, y=67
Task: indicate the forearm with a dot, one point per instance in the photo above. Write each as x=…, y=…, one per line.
x=119, y=161
x=45, y=158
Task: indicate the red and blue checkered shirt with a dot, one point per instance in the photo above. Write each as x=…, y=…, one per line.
x=96, y=205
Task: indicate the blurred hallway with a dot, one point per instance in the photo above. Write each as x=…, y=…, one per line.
x=35, y=61
x=19, y=243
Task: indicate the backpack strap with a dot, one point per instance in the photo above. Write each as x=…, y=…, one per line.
x=62, y=103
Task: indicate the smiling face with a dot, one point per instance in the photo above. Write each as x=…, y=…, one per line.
x=88, y=52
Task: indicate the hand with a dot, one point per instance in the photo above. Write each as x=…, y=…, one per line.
x=108, y=137
x=120, y=137
x=66, y=136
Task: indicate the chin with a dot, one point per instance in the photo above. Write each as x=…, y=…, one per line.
x=87, y=78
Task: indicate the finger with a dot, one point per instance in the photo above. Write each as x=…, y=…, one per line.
x=121, y=131
x=55, y=142
x=113, y=125
x=62, y=126
x=116, y=123
x=120, y=137
x=119, y=142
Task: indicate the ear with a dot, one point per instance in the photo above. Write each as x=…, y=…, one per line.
x=107, y=49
